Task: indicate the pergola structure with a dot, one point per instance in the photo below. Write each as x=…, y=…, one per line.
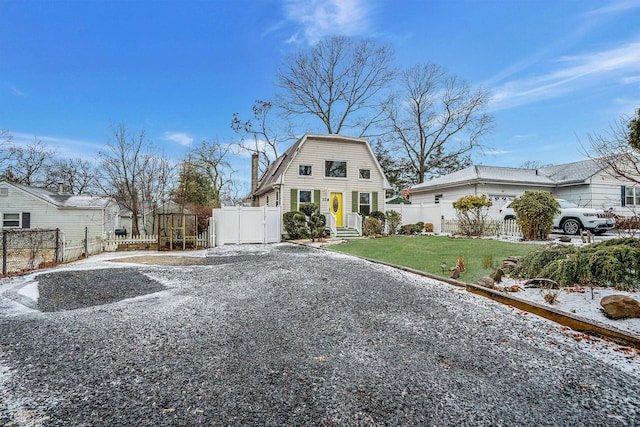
x=177, y=231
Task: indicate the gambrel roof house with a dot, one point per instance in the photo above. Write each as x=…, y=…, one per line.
x=339, y=173
x=585, y=183
x=23, y=206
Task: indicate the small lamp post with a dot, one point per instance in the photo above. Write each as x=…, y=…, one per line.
x=443, y=265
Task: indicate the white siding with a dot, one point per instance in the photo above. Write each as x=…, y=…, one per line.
x=46, y=215
x=314, y=152
x=499, y=195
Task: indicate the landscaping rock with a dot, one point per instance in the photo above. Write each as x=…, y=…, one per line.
x=486, y=282
x=497, y=275
x=541, y=282
x=620, y=306
x=508, y=266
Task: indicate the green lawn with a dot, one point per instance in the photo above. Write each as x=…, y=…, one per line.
x=425, y=253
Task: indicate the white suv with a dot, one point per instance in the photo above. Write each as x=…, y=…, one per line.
x=572, y=218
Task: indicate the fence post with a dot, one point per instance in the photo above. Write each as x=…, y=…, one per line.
x=57, y=250
x=4, y=252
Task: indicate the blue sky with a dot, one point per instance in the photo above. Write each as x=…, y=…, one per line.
x=558, y=69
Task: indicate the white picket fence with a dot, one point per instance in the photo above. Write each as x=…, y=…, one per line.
x=74, y=250
x=494, y=227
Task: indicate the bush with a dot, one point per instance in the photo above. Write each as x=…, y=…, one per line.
x=472, y=212
x=295, y=223
x=309, y=208
x=393, y=218
x=380, y=216
x=372, y=227
x=417, y=228
x=317, y=226
x=611, y=263
x=534, y=214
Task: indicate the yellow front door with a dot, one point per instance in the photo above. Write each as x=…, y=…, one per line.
x=335, y=207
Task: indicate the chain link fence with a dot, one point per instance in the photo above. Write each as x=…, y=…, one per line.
x=30, y=249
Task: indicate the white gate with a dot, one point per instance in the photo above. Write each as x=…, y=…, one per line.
x=238, y=224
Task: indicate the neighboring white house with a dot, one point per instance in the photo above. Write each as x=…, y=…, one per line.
x=584, y=183
x=148, y=216
x=25, y=207
x=339, y=173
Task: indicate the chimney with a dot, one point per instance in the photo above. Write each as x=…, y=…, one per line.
x=60, y=188
x=254, y=177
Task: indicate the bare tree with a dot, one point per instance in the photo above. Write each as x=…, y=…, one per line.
x=132, y=172
x=259, y=135
x=429, y=117
x=28, y=164
x=210, y=159
x=339, y=81
x=617, y=150
x=78, y=176
x=534, y=164
x=5, y=143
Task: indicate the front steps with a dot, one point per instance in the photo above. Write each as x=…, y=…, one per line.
x=346, y=233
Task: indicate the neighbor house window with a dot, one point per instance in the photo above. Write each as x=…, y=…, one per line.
x=4, y=191
x=267, y=200
x=277, y=198
x=305, y=196
x=335, y=169
x=305, y=170
x=632, y=196
x=11, y=220
x=365, y=203
x=437, y=198
x=364, y=173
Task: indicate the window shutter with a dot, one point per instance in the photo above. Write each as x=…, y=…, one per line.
x=623, y=194
x=354, y=201
x=294, y=199
x=316, y=197
x=374, y=201
x=26, y=220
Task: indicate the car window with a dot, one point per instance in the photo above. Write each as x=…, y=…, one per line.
x=564, y=204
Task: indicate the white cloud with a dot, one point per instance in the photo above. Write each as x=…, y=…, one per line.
x=615, y=7
x=573, y=73
x=320, y=18
x=179, y=137
x=64, y=147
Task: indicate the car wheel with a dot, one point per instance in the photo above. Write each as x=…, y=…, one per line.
x=571, y=226
x=509, y=217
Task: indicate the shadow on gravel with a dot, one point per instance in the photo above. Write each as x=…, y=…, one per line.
x=70, y=290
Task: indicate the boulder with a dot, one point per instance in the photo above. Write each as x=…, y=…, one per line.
x=486, y=282
x=508, y=266
x=620, y=306
x=497, y=275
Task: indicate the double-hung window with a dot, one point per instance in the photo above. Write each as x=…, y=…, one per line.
x=305, y=196
x=11, y=220
x=632, y=196
x=364, y=205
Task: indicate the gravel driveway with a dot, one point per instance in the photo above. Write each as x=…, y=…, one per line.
x=289, y=335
